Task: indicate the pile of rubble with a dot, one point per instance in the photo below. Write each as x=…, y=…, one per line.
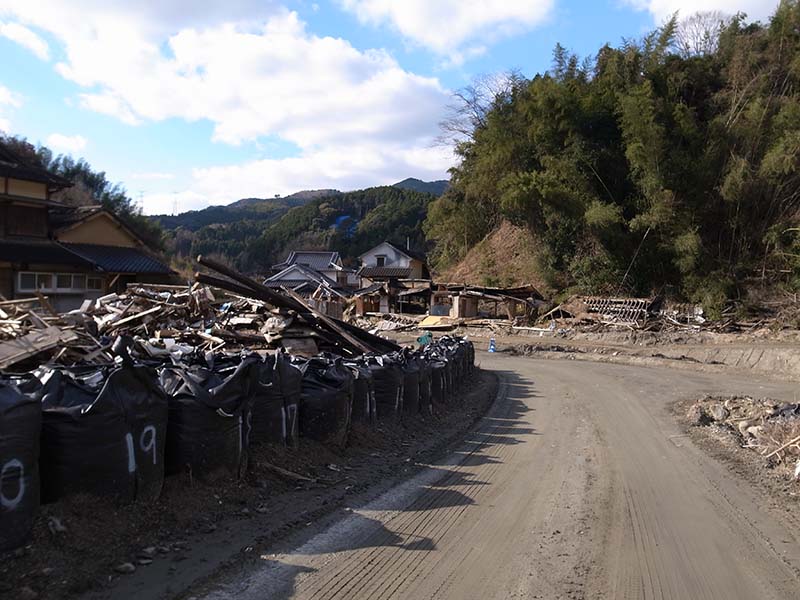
x=763, y=425
x=213, y=315
x=590, y=313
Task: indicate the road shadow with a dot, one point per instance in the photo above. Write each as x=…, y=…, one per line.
x=451, y=486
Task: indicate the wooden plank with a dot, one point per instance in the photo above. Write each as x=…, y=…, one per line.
x=46, y=303
x=20, y=301
x=14, y=351
x=136, y=317
x=329, y=322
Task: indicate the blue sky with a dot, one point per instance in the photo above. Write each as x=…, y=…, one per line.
x=206, y=102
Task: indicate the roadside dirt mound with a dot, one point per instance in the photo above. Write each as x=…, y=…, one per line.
x=505, y=257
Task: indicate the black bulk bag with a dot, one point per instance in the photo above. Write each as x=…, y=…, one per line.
x=424, y=385
x=20, y=425
x=276, y=397
x=410, y=386
x=388, y=377
x=103, y=433
x=470, y=356
x=290, y=384
x=363, y=392
x=268, y=416
x=207, y=413
x=326, y=401
x=438, y=383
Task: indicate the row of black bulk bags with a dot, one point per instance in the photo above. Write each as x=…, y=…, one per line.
x=20, y=423
x=326, y=399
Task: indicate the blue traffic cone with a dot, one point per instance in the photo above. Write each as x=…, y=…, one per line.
x=491, y=345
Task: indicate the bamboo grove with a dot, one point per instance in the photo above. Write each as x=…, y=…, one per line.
x=665, y=164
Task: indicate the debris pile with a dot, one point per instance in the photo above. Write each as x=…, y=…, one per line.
x=212, y=315
x=591, y=313
x=765, y=426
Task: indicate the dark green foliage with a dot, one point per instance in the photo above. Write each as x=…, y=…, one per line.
x=437, y=188
x=350, y=223
x=648, y=166
x=253, y=234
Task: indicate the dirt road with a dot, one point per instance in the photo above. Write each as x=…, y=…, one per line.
x=577, y=484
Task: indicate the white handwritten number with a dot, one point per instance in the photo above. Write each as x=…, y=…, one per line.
x=131, y=455
x=150, y=444
x=11, y=503
x=147, y=443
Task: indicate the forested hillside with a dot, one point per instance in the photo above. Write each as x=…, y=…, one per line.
x=253, y=234
x=665, y=163
x=349, y=223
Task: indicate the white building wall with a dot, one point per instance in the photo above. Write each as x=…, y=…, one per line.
x=393, y=257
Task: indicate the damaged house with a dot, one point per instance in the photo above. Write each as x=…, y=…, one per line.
x=393, y=280
x=66, y=253
x=325, y=263
x=325, y=288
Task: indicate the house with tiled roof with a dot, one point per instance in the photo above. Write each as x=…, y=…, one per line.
x=319, y=290
x=326, y=263
x=66, y=253
x=393, y=279
x=386, y=262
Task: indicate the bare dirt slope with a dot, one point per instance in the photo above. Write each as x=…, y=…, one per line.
x=505, y=257
x=579, y=483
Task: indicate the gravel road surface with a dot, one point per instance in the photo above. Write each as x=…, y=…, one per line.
x=578, y=483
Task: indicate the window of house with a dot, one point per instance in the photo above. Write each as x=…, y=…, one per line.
x=44, y=281
x=27, y=281
x=380, y=261
x=63, y=281
x=57, y=282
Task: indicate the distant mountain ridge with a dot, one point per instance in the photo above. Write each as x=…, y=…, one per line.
x=301, y=196
x=271, y=209
x=251, y=233
x=437, y=188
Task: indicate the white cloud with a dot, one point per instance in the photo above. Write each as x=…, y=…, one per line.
x=453, y=28
x=152, y=176
x=252, y=70
x=8, y=100
x=342, y=168
x=250, y=79
x=25, y=37
x=66, y=143
x=756, y=10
